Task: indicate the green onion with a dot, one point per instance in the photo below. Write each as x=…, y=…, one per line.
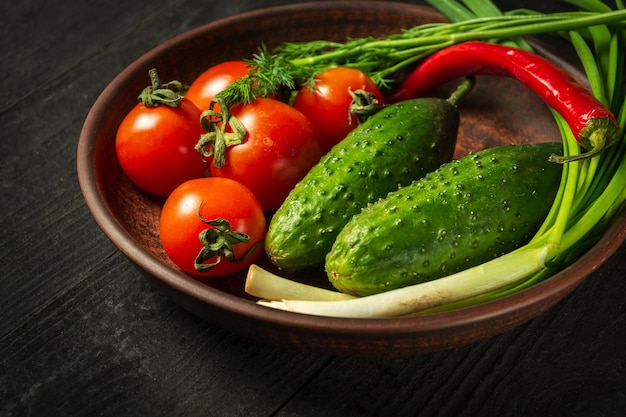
x=296, y=63
x=266, y=285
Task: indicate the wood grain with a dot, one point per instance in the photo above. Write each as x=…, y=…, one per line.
x=82, y=333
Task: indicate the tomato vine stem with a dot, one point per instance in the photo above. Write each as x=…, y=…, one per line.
x=169, y=94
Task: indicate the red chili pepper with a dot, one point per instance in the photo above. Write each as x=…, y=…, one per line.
x=591, y=122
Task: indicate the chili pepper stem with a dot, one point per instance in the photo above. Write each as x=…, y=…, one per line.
x=597, y=135
x=462, y=90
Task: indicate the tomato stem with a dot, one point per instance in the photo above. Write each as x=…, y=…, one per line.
x=219, y=242
x=363, y=105
x=169, y=94
x=216, y=139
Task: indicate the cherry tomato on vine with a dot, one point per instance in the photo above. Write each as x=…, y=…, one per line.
x=327, y=104
x=156, y=146
x=215, y=79
x=279, y=147
x=203, y=211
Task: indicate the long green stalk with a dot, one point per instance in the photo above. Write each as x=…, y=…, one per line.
x=294, y=64
x=403, y=301
x=396, y=52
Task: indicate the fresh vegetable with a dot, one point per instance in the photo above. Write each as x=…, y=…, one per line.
x=591, y=122
x=207, y=85
x=267, y=145
x=294, y=63
x=288, y=288
x=328, y=102
x=591, y=193
x=467, y=212
x=395, y=146
x=155, y=141
x=212, y=226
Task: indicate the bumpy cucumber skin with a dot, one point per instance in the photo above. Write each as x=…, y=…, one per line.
x=465, y=213
x=394, y=147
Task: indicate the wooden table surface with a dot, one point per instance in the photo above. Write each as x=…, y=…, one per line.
x=82, y=333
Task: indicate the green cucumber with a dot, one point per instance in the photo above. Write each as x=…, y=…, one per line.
x=397, y=145
x=465, y=213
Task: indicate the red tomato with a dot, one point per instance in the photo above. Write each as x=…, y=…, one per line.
x=155, y=146
x=280, y=147
x=215, y=79
x=212, y=199
x=328, y=104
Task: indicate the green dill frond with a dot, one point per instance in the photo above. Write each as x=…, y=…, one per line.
x=269, y=75
x=297, y=50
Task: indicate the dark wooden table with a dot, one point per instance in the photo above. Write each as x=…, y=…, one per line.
x=83, y=334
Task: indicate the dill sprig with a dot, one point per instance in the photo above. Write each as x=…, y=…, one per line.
x=269, y=75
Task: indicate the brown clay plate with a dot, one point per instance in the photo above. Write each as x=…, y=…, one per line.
x=498, y=111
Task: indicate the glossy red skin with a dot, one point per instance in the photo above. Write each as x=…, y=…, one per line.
x=212, y=81
x=155, y=146
x=218, y=197
x=328, y=105
x=280, y=147
x=554, y=86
